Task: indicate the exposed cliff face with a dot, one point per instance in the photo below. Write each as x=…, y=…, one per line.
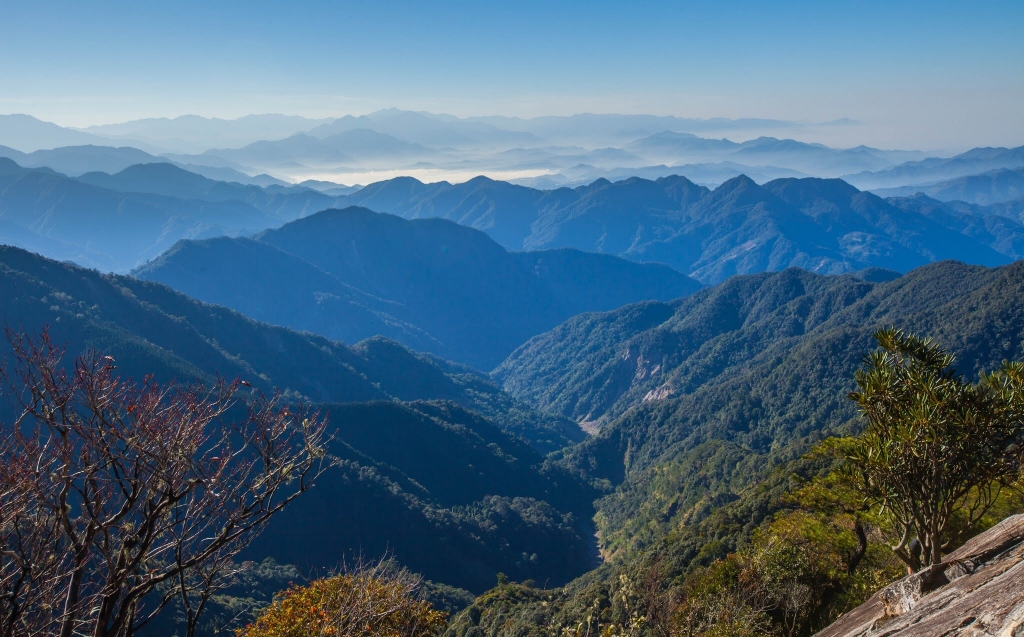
x=977, y=590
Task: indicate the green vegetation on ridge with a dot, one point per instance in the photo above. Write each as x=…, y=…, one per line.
x=752, y=374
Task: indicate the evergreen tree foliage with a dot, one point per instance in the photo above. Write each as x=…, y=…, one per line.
x=936, y=450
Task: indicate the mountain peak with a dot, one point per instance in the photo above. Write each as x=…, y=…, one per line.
x=794, y=190
x=669, y=134
x=735, y=195
x=8, y=166
x=739, y=183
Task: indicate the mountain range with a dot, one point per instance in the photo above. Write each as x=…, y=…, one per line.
x=545, y=151
x=815, y=159
x=116, y=222
x=995, y=186
x=702, y=406
x=195, y=134
x=707, y=174
x=934, y=169
x=738, y=228
x=77, y=160
x=432, y=284
x=25, y=133
x=190, y=133
x=585, y=381
x=351, y=147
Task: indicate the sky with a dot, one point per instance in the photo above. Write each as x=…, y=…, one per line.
x=939, y=74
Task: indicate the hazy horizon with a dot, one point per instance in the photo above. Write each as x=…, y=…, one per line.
x=934, y=76
x=840, y=132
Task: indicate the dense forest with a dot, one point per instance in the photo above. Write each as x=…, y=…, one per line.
x=709, y=406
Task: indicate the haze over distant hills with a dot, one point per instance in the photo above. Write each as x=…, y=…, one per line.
x=542, y=152
x=995, y=186
x=136, y=213
x=192, y=133
x=933, y=169
x=140, y=213
x=76, y=160
x=25, y=133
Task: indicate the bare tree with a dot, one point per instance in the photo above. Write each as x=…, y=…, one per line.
x=128, y=495
x=31, y=555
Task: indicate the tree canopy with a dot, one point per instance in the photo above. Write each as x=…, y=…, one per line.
x=937, y=450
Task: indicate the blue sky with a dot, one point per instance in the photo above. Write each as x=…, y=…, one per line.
x=928, y=74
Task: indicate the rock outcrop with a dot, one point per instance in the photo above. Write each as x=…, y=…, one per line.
x=977, y=590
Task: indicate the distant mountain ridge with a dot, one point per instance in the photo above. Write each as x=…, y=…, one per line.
x=172, y=181
x=813, y=159
x=824, y=226
x=26, y=134
x=972, y=162
x=740, y=227
x=352, y=146
x=995, y=186
x=432, y=284
x=192, y=133
x=570, y=150
x=74, y=161
x=116, y=222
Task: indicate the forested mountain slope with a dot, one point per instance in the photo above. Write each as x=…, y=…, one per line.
x=443, y=491
x=709, y=404
x=456, y=487
x=756, y=363
x=151, y=329
x=431, y=284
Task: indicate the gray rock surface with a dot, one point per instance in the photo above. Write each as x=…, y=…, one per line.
x=977, y=590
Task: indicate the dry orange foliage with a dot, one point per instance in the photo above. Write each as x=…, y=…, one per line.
x=359, y=605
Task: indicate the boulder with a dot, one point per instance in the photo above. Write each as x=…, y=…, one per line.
x=977, y=590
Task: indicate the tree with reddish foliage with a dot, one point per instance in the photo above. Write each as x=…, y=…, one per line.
x=117, y=497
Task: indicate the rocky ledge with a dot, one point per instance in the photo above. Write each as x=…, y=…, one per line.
x=977, y=590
